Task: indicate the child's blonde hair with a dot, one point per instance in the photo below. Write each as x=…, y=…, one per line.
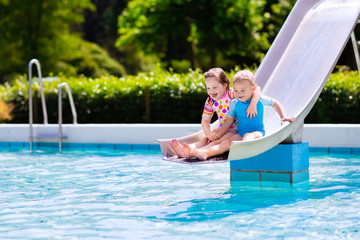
x=219, y=75
x=244, y=75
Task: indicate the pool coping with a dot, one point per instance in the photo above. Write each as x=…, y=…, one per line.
x=336, y=138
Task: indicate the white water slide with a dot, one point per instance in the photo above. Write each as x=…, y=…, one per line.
x=295, y=70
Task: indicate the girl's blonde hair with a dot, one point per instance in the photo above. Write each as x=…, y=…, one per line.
x=219, y=75
x=244, y=75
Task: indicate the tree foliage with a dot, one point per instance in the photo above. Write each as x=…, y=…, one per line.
x=202, y=31
x=87, y=58
x=36, y=29
x=179, y=33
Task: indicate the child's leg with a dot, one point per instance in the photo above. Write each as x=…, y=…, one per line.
x=252, y=135
x=184, y=152
x=199, y=144
x=224, y=146
x=218, y=141
x=204, y=141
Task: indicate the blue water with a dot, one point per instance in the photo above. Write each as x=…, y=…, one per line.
x=137, y=195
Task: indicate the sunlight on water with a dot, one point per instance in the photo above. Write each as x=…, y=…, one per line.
x=137, y=195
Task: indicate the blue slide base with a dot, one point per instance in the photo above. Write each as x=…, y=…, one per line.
x=285, y=163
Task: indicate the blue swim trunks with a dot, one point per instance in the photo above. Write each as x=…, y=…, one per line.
x=246, y=125
x=248, y=129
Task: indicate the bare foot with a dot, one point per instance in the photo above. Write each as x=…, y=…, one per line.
x=189, y=151
x=179, y=150
x=193, y=152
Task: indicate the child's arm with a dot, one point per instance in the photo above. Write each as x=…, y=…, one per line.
x=225, y=126
x=229, y=120
x=280, y=111
x=205, y=125
x=252, y=110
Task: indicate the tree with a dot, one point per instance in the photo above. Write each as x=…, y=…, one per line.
x=232, y=29
x=184, y=29
x=36, y=29
x=157, y=26
x=278, y=10
x=100, y=26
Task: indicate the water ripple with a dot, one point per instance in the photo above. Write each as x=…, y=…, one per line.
x=136, y=195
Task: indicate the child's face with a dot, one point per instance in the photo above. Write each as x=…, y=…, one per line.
x=215, y=89
x=243, y=90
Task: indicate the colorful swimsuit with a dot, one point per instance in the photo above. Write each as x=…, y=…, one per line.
x=247, y=125
x=221, y=107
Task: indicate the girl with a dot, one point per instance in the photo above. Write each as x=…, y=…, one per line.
x=220, y=95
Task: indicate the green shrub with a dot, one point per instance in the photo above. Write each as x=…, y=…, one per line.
x=169, y=97
x=160, y=97
x=339, y=100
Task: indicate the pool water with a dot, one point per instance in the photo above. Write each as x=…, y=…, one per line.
x=137, y=195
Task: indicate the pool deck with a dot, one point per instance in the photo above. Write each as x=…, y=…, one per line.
x=317, y=135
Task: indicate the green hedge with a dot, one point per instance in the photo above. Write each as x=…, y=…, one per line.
x=339, y=102
x=161, y=97
x=156, y=97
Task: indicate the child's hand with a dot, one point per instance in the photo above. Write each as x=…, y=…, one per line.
x=212, y=136
x=287, y=119
x=251, y=110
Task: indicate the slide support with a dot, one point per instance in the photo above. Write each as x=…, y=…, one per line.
x=284, y=164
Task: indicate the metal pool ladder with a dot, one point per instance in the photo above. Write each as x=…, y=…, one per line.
x=72, y=105
x=73, y=110
x=37, y=63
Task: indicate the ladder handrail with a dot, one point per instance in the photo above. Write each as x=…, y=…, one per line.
x=73, y=109
x=356, y=50
x=37, y=63
x=355, y=45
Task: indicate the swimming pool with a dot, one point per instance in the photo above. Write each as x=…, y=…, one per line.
x=134, y=194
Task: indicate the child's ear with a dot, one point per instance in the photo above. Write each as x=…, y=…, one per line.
x=254, y=87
